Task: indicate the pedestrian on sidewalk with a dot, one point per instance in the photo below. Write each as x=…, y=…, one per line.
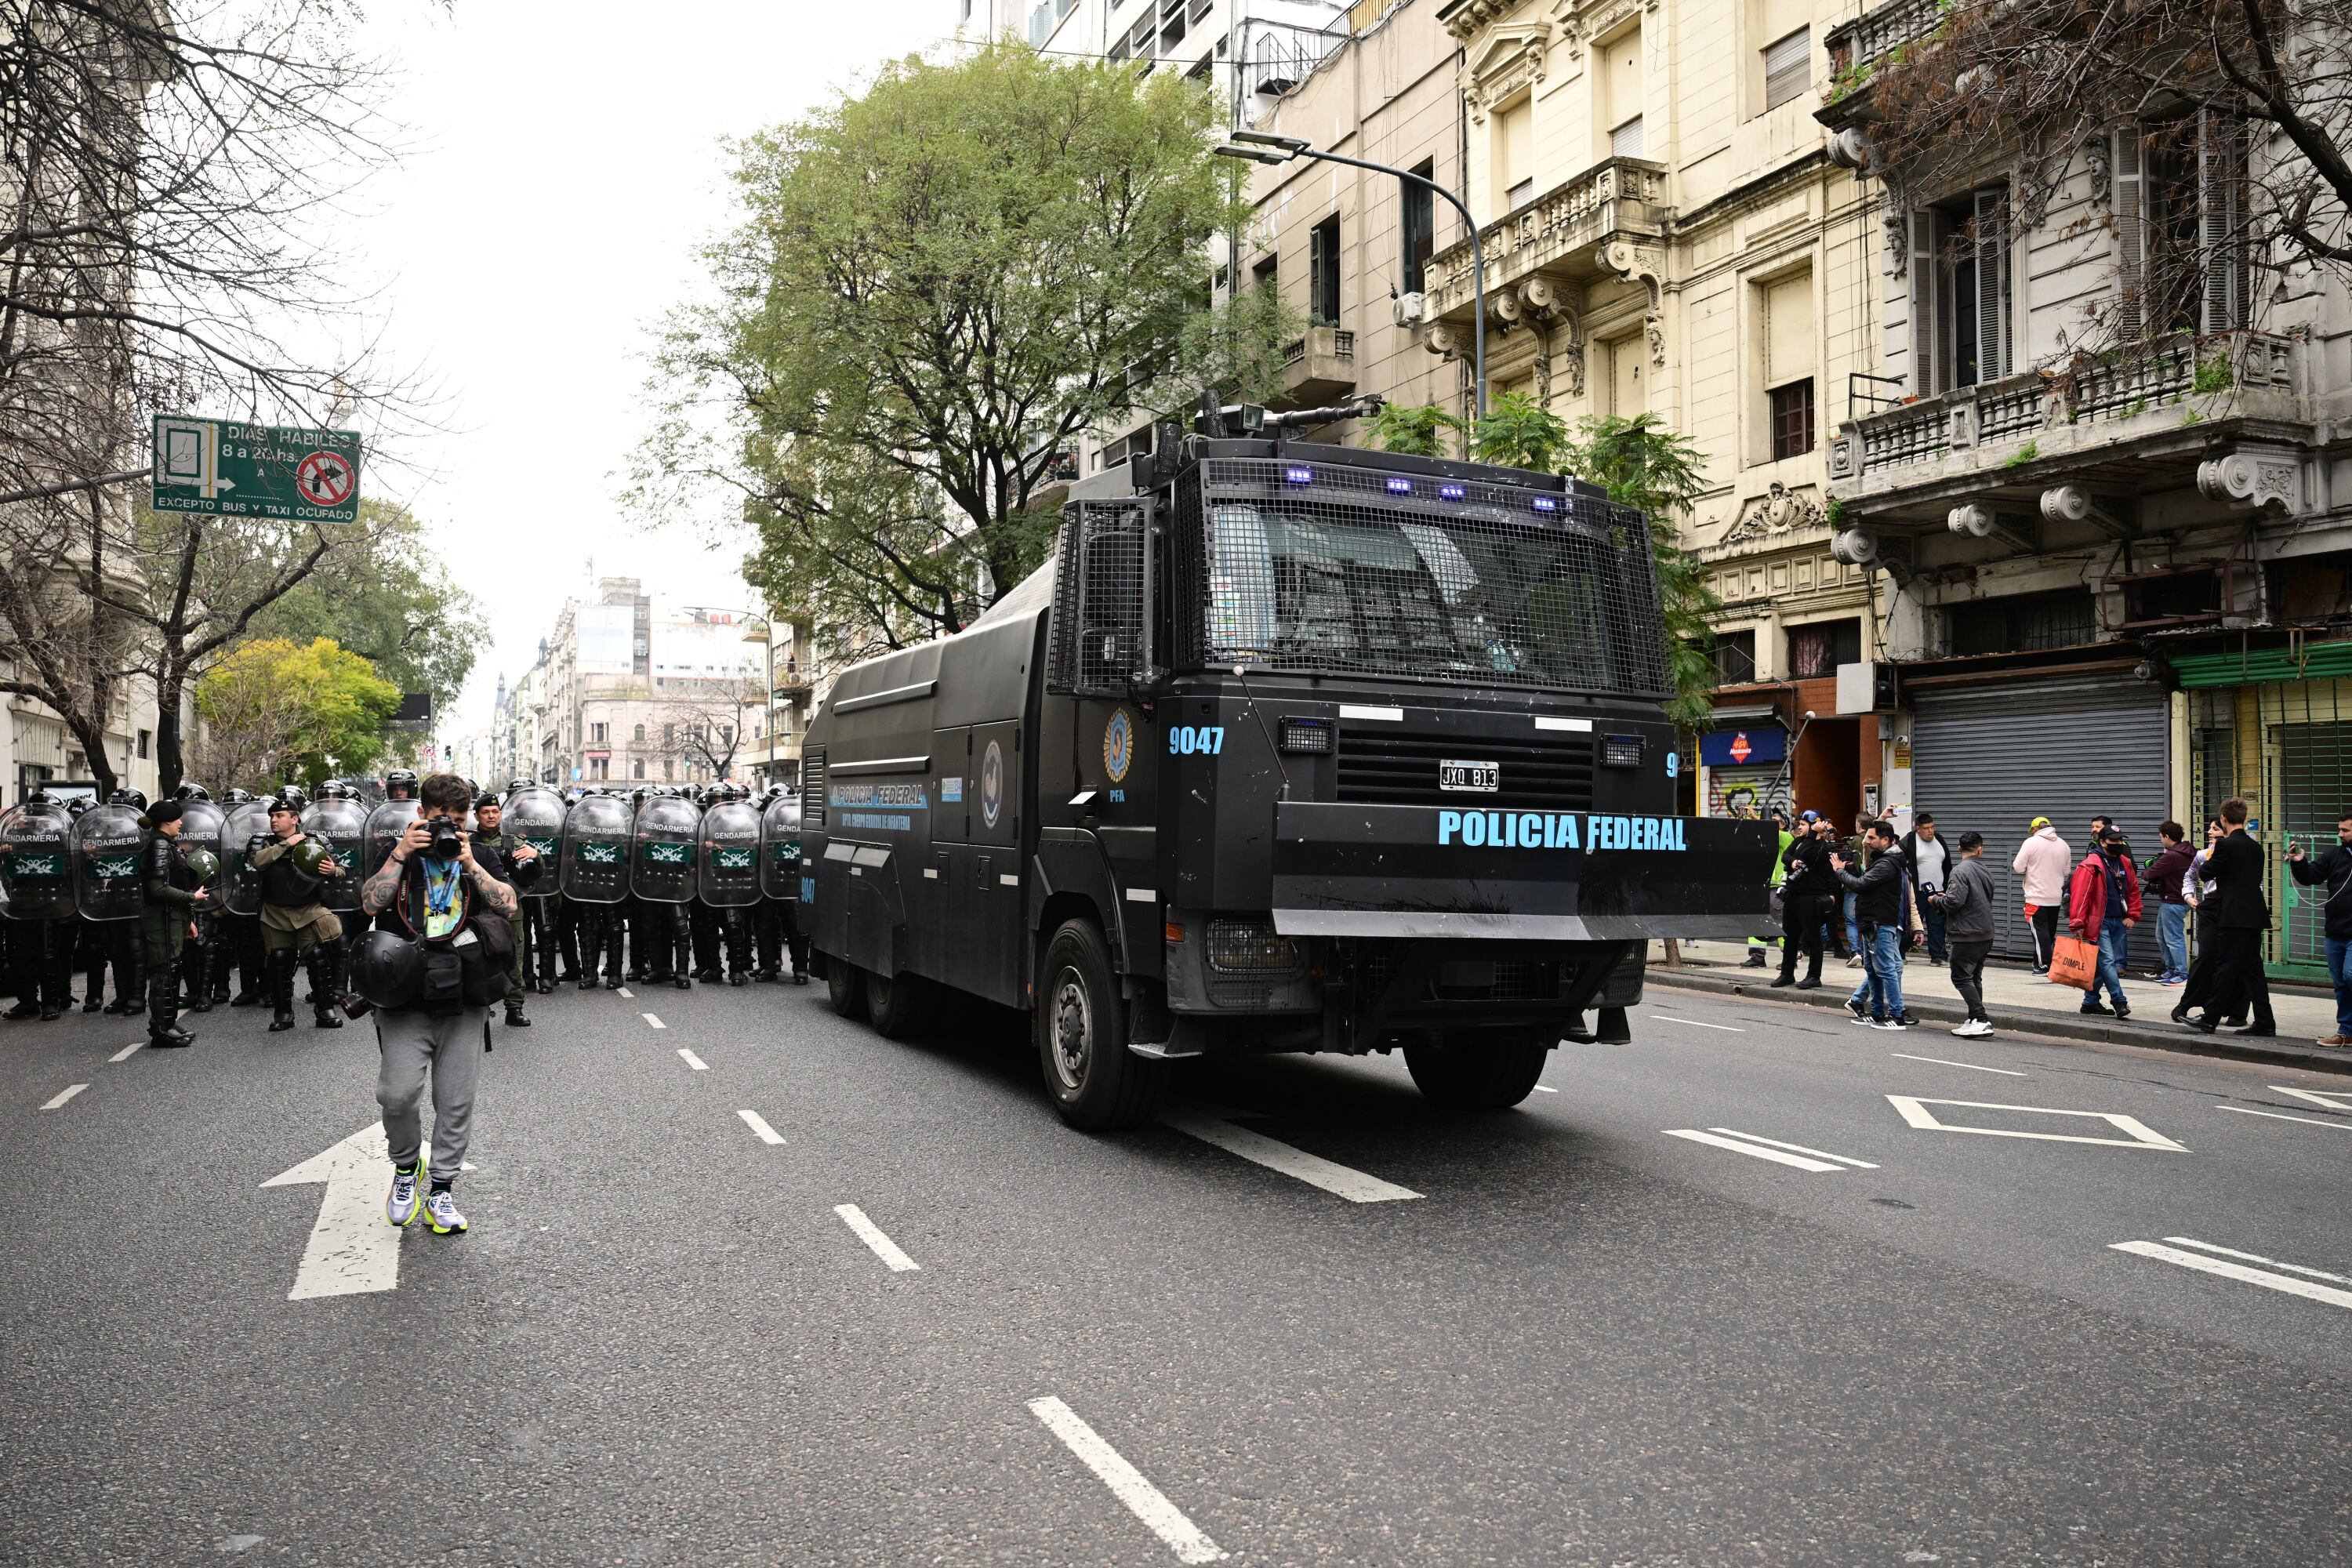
x=2165, y=875
x=2197, y=888
x=1858, y=854
x=1757, y=956
x=457, y=912
x=1877, y=895
x=2102, y=905
x=2240, y=914
x=2041, y=865
x=2332, y=871
x=1929, y=860
x=1807, y=893
x=1965, y=907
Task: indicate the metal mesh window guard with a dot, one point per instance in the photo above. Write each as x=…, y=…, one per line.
x=1287, y=566
x=1098, y=633
x=812, y=786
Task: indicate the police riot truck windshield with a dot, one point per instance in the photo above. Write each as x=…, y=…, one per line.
x=1317, y=571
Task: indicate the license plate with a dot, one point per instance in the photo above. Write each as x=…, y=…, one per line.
x=1473, y=778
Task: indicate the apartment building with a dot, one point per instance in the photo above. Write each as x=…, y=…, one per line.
x=1251, y=50
x=2112, y=520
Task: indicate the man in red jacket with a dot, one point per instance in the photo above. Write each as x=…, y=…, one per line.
x=2102, y=905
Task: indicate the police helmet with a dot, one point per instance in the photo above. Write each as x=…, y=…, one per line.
x=191, y=790
x=77, y=804
x=387, y=968
x=516, y=786
x=236, y=796
x=135, y=799
x=295, y=796
x=308, y=855
x=202, y=864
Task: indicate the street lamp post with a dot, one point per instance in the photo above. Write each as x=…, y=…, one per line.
x=1265, y=147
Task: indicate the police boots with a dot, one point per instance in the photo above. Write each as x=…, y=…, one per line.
x=278, y=979
x=199, y=964
x=164, y=1031
x=325, y=996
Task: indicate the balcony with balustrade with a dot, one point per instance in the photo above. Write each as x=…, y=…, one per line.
x=2181, y=412
x=1561, y=237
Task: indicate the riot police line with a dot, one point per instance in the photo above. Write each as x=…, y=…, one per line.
x=192, y=904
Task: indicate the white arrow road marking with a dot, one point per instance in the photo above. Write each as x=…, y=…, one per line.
x=2283, y=1116
x=2286, y=1284
x=696, y=1063
x=869, y=1233
x=1751, y=1150
x=351, y=1251
x=2139, y=1134
x=1313, y=1169
x=1795, y=1148
x=656, y=1023
x=759, y=1124
x=2325, y=1099
x=65, y=1096
x=1143, y=1499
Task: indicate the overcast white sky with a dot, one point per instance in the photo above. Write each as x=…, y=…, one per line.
x=569, y=164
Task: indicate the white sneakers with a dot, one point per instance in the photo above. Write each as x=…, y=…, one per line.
x=401, y=1207
x=1974, y=1028
x=441, y=1213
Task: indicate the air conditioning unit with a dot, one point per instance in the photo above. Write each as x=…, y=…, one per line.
x=1409, y=310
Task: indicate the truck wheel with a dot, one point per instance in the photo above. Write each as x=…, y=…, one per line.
x=844, y=988
x=899, y=1005
x=1467, y=1072
x=1097, y=1082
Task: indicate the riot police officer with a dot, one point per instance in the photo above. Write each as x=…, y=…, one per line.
x=114, y=928
x=295, y=927
x=241, y=929
x=34, y=851
x=776, y=918
x=204, y=980
x=517, y=865
x=175, y=894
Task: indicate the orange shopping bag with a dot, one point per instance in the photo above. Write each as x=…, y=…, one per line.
x=2074, y=962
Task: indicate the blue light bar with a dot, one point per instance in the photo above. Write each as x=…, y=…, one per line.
x=1451, y=492
x=1547, y=504
x=1400, y=487
x=1297, y=475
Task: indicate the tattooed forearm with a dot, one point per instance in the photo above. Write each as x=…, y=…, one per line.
x=495, y=893
x=377, y=892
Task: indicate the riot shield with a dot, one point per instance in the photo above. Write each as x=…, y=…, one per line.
x=201, y=825
x=661, y=862
x=535, y=817
x=596, y=850
x=726, y=871
x=342, y=826
x=385, y=824
x=36, y=861
x=246, y=823
x=780, y=848
x=109, y=883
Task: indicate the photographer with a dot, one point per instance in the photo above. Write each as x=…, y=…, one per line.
x=450, y=941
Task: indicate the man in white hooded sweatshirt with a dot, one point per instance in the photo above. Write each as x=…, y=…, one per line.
x=2041, y=865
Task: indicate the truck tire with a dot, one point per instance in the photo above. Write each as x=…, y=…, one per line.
x=1468, y=1073
x=899, y=1005
x=844, y=988
x=1098, y=1084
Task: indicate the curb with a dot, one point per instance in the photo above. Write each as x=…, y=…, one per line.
x=2172, y=1037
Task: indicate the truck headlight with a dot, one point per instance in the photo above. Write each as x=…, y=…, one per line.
x=1250, y=947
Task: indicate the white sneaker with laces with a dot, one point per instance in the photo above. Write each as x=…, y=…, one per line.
x=1975, y=1028
x=441, y=1213
x=401, y=1206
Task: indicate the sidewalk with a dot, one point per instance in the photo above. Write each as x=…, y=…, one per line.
x=2022, y=1003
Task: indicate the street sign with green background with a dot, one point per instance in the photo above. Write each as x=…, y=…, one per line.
x=225, y=468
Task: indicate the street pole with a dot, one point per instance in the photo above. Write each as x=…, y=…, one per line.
x=1267, y=148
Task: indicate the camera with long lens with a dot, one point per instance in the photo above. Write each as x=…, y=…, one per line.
x=444, y=844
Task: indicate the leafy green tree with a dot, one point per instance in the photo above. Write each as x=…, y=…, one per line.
x=1414, y=431
x=936, y=289
x=387, y=597
x=274, y=709
x=1520, y=432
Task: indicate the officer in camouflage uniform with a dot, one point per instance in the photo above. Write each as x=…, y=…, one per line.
x=294, y=925
x=517, y=865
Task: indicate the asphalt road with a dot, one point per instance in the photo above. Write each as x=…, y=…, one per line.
x=1584, y=1337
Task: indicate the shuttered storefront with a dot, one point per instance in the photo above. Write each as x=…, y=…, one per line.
x=1992, y=758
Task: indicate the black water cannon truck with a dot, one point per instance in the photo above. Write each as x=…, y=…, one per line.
x=1290, y=747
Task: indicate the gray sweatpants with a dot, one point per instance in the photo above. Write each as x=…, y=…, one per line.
x=450, y=1049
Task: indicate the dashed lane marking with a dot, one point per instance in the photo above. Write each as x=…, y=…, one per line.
x=65, y=1096
x=1940, y=1061
x=871, y=1234
x=1313, y=1169
x=2286, y=1284
x=2283, y=1116
x=656, y=1023
x=624, y=993
x=759, y=1124
x=1753, y=1150
x=696, y=1063
x=1546, y=1088
x=1795, y=1148
x=126, y=1053
x=1143, y=1499
x=1696, y=1024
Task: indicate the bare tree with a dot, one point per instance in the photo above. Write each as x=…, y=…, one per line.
x=166, y=175
x=705, y=732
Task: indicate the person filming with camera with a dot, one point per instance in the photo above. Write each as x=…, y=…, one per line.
x=434, y=966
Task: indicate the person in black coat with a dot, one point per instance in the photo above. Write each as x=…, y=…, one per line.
x=2240, y=915
x=1807, y=895
x=2333, y=872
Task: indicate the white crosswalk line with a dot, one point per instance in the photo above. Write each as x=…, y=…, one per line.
x=1313, y=1169
x=887, y=1251
x=2286, y=1284
x=1143, y=1499
x=1795, y=1148
x=1754, y=1151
